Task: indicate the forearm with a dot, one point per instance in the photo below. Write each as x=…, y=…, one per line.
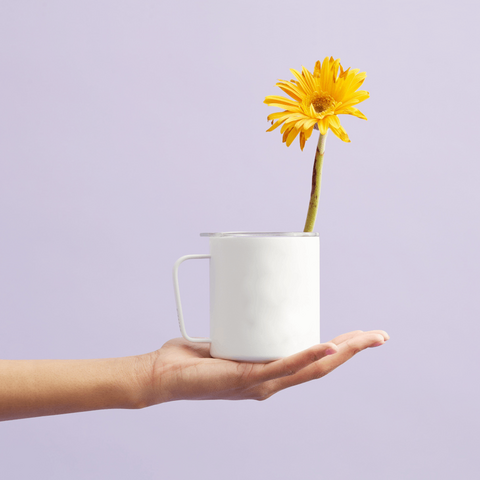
x=31, y=388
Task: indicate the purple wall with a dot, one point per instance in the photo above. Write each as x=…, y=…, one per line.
x=127, y=128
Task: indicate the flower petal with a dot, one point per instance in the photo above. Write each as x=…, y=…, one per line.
x=308, y=133
x=334, y=121
x=308, y=79
x=302, y=140
x=352, y=111
x=285, y=135
x=323, y=125
x=310, y=123
x=357, y=97
x=290, y=89
x=278, y=115
x=340, y=133
x=279, y=100
x=275, y=125
x=301, y=81
x=291, y=136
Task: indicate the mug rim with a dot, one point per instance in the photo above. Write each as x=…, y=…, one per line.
x=260, y=234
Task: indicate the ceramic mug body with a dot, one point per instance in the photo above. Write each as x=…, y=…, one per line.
x=264, y=295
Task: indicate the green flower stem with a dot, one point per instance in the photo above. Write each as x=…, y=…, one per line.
x=316, y=183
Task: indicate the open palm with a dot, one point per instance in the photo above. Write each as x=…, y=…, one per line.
x=185, y=370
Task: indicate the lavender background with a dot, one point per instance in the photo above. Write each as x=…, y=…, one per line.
x=127, y=128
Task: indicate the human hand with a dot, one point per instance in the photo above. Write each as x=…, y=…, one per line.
x=178, y=371
x=182, y=370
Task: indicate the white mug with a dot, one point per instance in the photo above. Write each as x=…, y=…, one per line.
x=264, y=294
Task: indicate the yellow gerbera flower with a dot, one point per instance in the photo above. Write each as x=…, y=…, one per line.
x=317, y=100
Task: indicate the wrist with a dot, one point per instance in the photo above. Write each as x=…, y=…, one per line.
x=148, y=390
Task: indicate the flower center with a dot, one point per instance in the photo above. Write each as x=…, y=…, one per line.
x=321, y=101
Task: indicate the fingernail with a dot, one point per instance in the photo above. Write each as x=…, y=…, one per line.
x=378, y=344
x=330, y=351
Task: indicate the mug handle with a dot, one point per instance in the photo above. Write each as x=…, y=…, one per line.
x=177, y=297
